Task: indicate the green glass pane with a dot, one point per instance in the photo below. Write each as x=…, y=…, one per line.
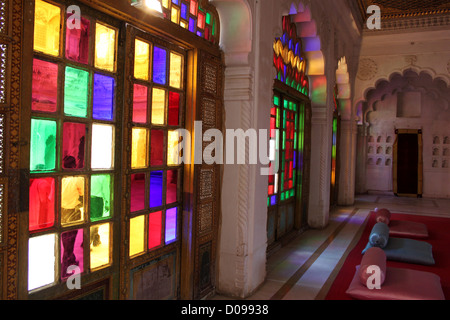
x=214, y=28
x=295, y=140
x=276, y=101
x=268, y=201
x=278, y=118
x=284, y=117
x=100, y=197
x=285, y=103
x=208, y=18
x=43, y=145
x=282, y=184
x=282, y=197
x=76, y=92
x=284, y=139
x=292, y=193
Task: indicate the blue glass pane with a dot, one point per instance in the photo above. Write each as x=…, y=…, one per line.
x=184, y=11
x=103, y=101
x=156, y=188
x=159, y=65
x=175, y=1
x=191, y=25
x=273, y=200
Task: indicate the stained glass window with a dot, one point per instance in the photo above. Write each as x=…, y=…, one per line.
x=72, y=146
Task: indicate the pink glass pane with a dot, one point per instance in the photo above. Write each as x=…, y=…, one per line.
x=171, y=225
x=73, y=148
x=174, y=109
x=137, y=192
x=140, y=104
x=172, y=183
x=71, y=252
x=77, y=40
x=45, y=86
x=154, y=229
x=157, y=148
x=42, y=203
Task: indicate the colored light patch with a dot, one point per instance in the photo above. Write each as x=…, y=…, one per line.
x=105, y=47
x=77, y=39
x=175, y=70
x=158, y=106
x=76, y=92
x=103, y=100
x=137, y=192
x=159, y=65
x=100, y=207
x=171, y=225
x=156, y=188
x=141, y=59
x=72, y=200
x=100, y=245
x=72, y=253
x=139, y=148
x=41, y=203
x=154, y=229
x=102, y=146
x=140, y=103
x=137, y=235
x=44, y=86
x=43, y=145
x=41, y=261
x=73, y=146
x=47, y=20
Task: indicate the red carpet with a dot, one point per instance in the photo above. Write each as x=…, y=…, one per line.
x=439, y=238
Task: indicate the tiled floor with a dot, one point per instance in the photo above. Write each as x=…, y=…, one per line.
x=306, y=267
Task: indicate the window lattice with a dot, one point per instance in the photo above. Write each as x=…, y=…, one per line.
x=3, y=71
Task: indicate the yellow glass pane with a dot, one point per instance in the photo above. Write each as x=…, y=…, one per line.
x=100, y=245
x=47, y=19
x=158, y=106
x=105, y=47
x=137, y=235
x=165, y=3
x=139, y=148
x=175, y=70
x=72, y=200
x=173, y=148
x=183, y=24
x=141, y=59
x=175, y=16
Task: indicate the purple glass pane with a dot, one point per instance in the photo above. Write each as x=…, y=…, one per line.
x=71, y=253
x=103, y=102
x=171, y=225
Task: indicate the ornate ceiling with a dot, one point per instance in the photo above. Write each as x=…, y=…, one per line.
x=397, y=9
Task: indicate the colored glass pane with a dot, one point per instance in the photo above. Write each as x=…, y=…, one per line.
x=100, y=197
x=72, y=200
x=154, y=229
x=208, y=18
x=172, y=186
x=191, y=24
x=137, y=192
x=157, y=147
x=73, y=146
x=165, y=3
x=72, y=253
x=194, y=7
x=184, y=11
x=100, y=245
x=76, y=92
x=201, y=20
x=174, y=109
x=42, y=203
x=77, y=39
x=156, y=188
x=141, y=59
x=47, y=19
x=105, y=47
x=171, y=225
x=175, y=16
x=41, y=260
x=139, y=148
x=102, y=146
x=159, y=65
x=175, y=70
x=45, y=86
x=176, y=1
x=173, y=148
x=140, y=103
x=103, y=100
x=158, y=106
x=137, y=235
x=42, y=145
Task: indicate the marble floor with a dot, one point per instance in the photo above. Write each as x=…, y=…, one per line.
x=306, y=267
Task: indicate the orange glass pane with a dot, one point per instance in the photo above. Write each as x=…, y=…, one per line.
x=47, y=18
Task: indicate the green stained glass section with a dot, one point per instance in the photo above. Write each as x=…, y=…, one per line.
x=43, y=145
x=276, y=100
x=76, y=92
x=100, y=197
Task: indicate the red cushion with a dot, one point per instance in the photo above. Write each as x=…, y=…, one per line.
x=372, y=257
x=382, y=215
x=409, y=229
x=400, y=284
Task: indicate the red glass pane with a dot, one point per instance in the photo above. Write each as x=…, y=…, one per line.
x=270, y=190
x=42, y=203
x=172, y=183
x=154, y=229
x=77, y=40
x=157, y=148
x=201, y=20
x=140, y=103
x=137, y=192
x=193, y=7
x=71, y=252
x=273, y=123
x=73, y=148
x=174, y=109
x=45, y=86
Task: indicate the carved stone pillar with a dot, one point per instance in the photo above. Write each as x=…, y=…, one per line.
x=348, y=163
